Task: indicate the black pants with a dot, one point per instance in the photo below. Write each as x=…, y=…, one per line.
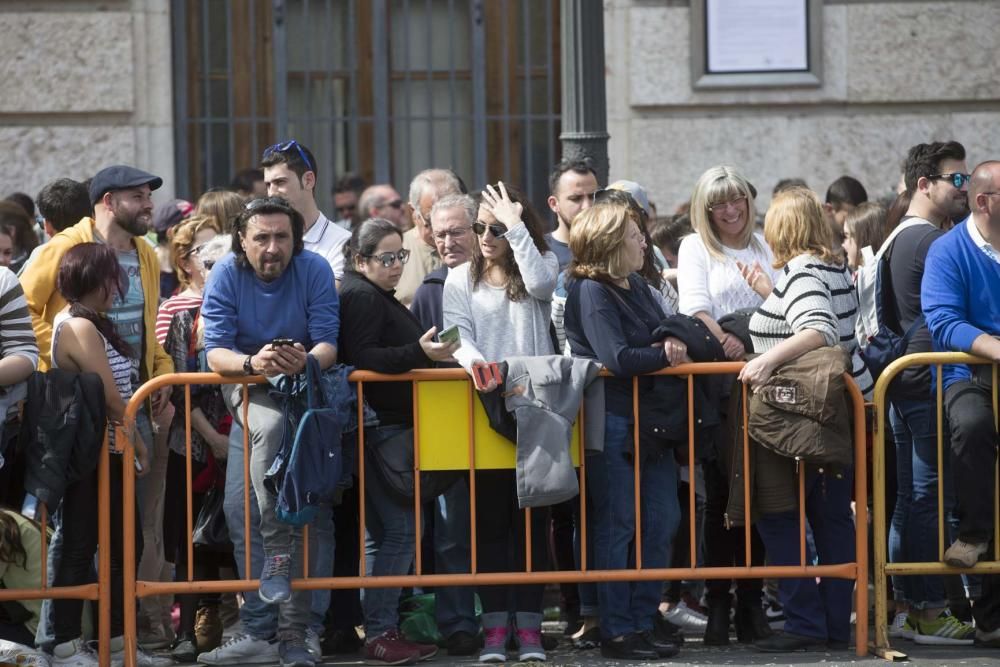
x=79, y=526
x=500, y=542
x=969, y=406
x=564, y=519
x=725, y=547
x=345, y=603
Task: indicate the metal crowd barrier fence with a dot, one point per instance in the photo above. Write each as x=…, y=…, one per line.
x=436, y=394
x=882, y=568
x=99, y=591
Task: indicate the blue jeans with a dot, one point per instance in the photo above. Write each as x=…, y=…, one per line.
x=454, y=606
x=821, y=611
x=627, y=607
x=913, y=532
x=391, y=527
x=259, y=619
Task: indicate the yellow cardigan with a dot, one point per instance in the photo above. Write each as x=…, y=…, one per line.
x=45, y=301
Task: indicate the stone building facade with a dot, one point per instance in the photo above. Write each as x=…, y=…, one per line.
x=88, y=83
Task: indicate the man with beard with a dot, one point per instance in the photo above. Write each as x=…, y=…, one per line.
x=572, y=185
x=123, y=213
x=937, y=178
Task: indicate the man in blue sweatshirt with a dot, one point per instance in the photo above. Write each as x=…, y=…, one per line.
x=960, y=293
x=266, y=305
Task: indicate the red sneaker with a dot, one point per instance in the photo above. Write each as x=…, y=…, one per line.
x=389, y=648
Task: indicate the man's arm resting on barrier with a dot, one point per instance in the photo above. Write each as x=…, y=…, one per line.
x=987, y=347
x=269, y=360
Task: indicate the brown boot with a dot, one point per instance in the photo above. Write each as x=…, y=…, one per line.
x=207, y=628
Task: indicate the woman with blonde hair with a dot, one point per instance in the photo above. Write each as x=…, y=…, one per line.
x=223, y=205
x=710, y=284
x=812, y=305
x=611, y=314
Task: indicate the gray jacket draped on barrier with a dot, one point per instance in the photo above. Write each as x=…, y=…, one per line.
x=544, y=394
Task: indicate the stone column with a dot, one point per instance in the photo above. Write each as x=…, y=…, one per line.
x=584, y=107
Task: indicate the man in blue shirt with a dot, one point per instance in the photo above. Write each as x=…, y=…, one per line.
x=960, y=293
x=271, y=288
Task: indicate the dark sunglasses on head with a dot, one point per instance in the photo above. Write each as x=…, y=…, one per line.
x=285, y=146
x=389, y=258
x=497, y=229
x=958, y=179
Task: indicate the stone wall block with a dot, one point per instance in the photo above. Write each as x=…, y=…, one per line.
x=58, y=62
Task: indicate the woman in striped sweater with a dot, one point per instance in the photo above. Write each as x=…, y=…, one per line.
x=812, y=305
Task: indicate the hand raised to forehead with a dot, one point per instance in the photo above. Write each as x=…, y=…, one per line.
x=500, y=206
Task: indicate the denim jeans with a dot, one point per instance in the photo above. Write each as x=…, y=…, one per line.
x=259, y=619
x=392, y=531
x=627, y=607
x=454, y=606
x=913, y=532
x=821, y=611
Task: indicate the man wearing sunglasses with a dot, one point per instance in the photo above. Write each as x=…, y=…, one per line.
x=290, y=172
x=937, y=178
x=426, y=189
x=382, y=201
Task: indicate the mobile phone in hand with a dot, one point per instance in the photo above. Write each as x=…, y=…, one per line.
x=449, y=335
x=279, y=342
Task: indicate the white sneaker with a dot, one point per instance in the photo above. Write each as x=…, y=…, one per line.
x=686, y=618
x=313, y=645
x=242, y=650
x=142, y=659
x=902, y=626
x=76, y=653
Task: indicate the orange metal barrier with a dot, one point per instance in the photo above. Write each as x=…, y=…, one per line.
x=882, y=568
x=854, y=570
x=99, y=591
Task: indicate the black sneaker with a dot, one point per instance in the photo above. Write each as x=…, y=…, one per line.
x=663, y=649
x=630, y=647
x=341, y=641
x=590, y=639
x=463, y=643
x=786, y=642
x=665, y=631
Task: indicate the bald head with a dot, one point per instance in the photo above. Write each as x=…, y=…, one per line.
x=985, y=178
x=426, y=188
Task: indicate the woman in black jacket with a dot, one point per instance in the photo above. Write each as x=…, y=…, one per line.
x=378, y=333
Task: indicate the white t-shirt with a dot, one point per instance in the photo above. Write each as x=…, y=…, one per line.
x=328, y=239
x=709, y=284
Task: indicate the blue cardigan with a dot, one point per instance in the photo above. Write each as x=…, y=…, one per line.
x=960, y=294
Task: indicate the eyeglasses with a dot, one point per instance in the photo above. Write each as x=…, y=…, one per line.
x=497, y=229
x=389, y=258
x=723, y=205
x=453, y=233
x=395, y=203
x=348, y=209
x=958, y=179
x=287, y=146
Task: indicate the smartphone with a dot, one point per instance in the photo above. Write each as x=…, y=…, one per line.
x=449, y=335
x=278, y=342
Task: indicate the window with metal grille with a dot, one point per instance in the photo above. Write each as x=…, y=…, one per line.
x=384, y=88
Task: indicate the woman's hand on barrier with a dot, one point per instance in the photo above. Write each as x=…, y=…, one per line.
x=501, y=207
x=436, y=351
x=756, y=371
x=733, y=347
x=675, y=351
x=757, y=278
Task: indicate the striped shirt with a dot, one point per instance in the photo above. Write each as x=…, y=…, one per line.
x=811, y=294
x=168, y=309
x=17, y=337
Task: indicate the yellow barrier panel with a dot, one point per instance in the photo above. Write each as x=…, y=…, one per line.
x=882, y=569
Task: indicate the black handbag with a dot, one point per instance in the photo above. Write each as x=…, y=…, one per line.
x=392, y=460
x=210, y=530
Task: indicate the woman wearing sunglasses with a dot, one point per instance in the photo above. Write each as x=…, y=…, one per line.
x=501, y=302
x=710, y=283
x=378, y=333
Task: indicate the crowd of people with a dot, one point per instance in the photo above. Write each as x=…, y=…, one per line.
x=102, y=292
